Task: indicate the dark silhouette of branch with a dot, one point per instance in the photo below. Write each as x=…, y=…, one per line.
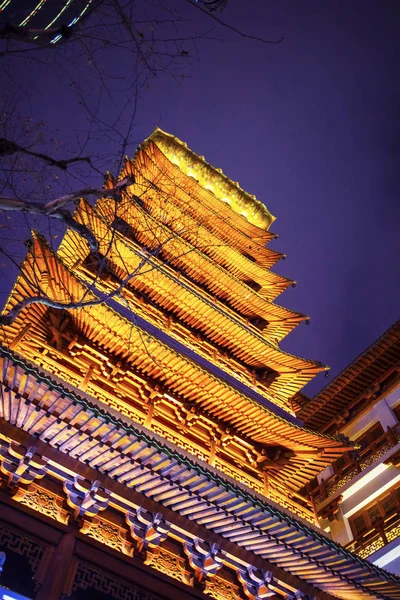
x=248, y=36
x=48, y=209
x=10, y=317
x=8, y=147
x=27, y=34
x=56, y=208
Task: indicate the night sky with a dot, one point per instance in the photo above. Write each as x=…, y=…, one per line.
x=311, y=126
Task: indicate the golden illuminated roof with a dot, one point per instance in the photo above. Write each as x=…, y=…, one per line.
x=144, y=203
x=194, y=307
x=182, y=317
x=213, y=179
x=153, y=357
x=152, y=170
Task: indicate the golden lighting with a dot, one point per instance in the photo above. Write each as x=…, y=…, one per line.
x=378, y=492
x=213, y=179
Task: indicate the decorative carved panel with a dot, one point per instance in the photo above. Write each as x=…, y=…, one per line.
x=175, y=439
x=42, y=501
x=220, y=589
x=371, y=548
x=239, y=476
x=90, y=578
x=393, y=533
x=107, y=533
x=170, y=564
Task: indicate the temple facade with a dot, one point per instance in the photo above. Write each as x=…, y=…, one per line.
x=154, y=441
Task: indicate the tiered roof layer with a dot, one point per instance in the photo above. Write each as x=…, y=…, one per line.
x=375, y=370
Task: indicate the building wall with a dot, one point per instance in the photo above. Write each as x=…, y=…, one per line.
x=366, y=487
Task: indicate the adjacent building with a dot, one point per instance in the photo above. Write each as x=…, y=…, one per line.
x=149, y=442
x=358, y=496
x=42, y=22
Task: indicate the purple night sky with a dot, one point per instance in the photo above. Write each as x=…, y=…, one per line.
x=311, y=127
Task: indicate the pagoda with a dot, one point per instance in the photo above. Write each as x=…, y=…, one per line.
x=148, y=442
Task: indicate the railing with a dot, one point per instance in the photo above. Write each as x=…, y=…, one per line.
x=355, y=463
x=381, y=533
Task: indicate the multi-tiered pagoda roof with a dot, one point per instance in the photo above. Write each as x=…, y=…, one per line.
x=154, y=359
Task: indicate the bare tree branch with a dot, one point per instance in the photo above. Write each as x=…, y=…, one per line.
x=55, y=208
x=248, y=36
x=48, y=209
x=8, y=147
x=10, y=317
x=27, y=34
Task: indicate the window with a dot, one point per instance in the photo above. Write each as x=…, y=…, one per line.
x=380, y=510
x=396, y=410
x=370, y=436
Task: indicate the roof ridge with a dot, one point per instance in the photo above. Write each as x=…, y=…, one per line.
x=240, y=200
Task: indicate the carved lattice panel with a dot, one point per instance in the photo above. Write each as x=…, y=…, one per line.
x=107, y=533
x=169, y=564
x=12, y=540
x=89, y=578
x=371, y=548
x=393, y=533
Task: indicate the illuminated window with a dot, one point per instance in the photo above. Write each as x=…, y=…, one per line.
x=378, y=513
x=6, y=594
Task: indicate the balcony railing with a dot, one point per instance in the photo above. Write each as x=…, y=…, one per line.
x=381, y=533
x=355, y=463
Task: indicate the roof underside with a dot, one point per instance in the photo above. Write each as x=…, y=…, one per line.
x=153, y=355
x=136, y=458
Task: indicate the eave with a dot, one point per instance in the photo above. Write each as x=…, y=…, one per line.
x=254, y=213
x=180, y=221
x=361, y=379
x=195, y=307
x=154, y=355
x=44, y=408
x=151, y=231
x=154, y=169
x=235, y=293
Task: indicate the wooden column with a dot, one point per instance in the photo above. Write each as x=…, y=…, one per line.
x=58, y=570
x=154, y=397
x=316, y=518
x=150, y=412
x=313, y=505
x=266, y=483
